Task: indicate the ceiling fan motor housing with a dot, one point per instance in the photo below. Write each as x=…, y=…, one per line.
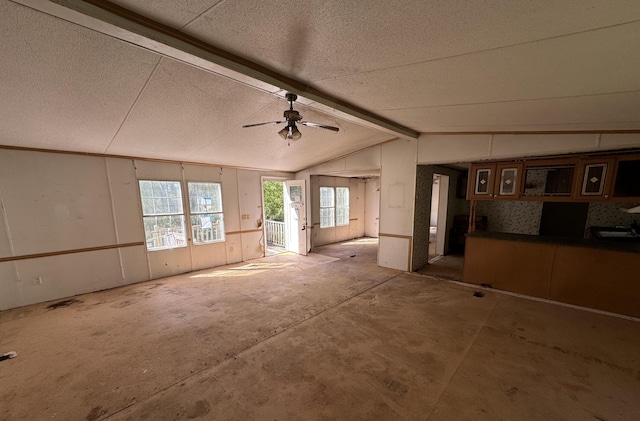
x=292, y=116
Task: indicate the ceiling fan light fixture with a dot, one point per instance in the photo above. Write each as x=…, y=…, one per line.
x=295, y=133
x=284, y=133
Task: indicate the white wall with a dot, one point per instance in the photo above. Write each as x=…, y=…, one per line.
x=53, y=203
x=397, y=193
x=365, y=161
x=372, y=207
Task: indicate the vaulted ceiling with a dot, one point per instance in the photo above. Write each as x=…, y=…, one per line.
x=91, y=77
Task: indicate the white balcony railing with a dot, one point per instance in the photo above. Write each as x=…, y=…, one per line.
x=275, y=233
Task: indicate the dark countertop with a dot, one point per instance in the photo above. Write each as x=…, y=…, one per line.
x=606, y=244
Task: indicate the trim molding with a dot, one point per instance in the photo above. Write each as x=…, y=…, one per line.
x=73, y=251
x=407, y=237
x=137, y=158
x=243, y=232
x=625, y=131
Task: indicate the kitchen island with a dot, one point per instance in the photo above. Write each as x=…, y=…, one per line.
x=600, y=274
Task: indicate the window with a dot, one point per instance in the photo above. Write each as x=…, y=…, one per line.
x=162, y=214
x=205, y=205
x=342, y=206
x=334, y=206
x=327, y=204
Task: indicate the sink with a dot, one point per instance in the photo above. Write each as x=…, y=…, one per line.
x=614, y=233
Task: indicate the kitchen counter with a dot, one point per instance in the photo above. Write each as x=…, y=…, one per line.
x=600, y=274
x=604, y=244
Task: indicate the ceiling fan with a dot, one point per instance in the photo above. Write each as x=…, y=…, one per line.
x=291, y=117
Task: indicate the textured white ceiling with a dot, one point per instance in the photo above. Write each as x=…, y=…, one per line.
x=433, y=66
x=62, y=86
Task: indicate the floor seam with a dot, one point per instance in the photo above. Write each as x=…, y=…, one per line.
x=464, y=357
x=254, y=345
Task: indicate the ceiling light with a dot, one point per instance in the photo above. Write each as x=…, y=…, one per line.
x=295, y=133
x=290, y=133
x=284, y=133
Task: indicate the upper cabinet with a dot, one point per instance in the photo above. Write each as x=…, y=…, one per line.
x=626, y=187
x=549, y=180
x=508, y=183
x=495, y=181
x=482, y=180
x=595, y=177
x=588, y=178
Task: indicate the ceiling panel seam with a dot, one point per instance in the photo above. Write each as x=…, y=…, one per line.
x=216, y=4
x=133, y=105
x=509, y=101
x=558, y=124
x=470, y=53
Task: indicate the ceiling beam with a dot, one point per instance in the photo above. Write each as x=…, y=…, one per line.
x=115, y=21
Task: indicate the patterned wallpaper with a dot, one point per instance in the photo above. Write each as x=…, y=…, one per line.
x=607, y=214
x=521, y=217
x=518, y=217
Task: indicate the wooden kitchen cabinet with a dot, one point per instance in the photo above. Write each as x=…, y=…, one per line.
x=595, y=179
x=482, y=182
x=626, y=186
x=508, y=181
x=589, y=178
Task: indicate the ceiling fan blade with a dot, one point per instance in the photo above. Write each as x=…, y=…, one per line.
x=262, y=124
x=319, y=126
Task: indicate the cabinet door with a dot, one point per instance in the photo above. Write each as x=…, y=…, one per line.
x=481, y=186
x=595, y=178
x=508, y=181
x=626, y=187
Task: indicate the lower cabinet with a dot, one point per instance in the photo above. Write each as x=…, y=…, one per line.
x=590, y=277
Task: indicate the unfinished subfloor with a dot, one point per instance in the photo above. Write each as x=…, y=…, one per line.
x=323, y=337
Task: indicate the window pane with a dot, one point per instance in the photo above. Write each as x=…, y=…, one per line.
x=295, y=193
x=326, y=197
x=164, y=232
x=160, y=197
x=205, y=197
x=342, y=216
x=175, y=205
x=207, y=228
x=342, y=197
x=342, y=206
x=326, y=217
x=160, y=206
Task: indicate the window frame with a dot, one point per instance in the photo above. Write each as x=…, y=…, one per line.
x=331, y=207
x=155, y=214
x=334, y=207
x=342, y=207
x=211, y=212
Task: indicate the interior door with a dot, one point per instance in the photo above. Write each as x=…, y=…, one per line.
x=295, y=216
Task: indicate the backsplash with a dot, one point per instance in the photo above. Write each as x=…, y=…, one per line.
x=522, y=217
x=606, y=214
x=517, y=217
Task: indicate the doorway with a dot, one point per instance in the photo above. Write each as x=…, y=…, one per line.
x=274, y=225
x=283, y=203
x=438, y=217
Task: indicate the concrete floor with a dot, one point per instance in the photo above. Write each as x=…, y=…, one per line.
x=328, y=336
